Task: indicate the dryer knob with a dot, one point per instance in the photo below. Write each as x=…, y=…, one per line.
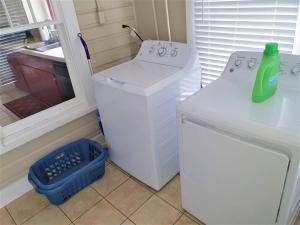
x=251, y=64
x=238, y=63
x=295, y=70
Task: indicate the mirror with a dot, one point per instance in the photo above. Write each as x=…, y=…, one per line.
x=15, y=13
x=33, y=73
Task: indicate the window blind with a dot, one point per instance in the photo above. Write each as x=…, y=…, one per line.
x=3, y=18
x=12, y=13
x=224, y=26
x=9, y=43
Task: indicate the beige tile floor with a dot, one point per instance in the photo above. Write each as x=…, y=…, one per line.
x=6, y=116
x=114, y=200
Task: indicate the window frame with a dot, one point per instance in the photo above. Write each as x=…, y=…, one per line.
x=30, y=128
x=296, y=47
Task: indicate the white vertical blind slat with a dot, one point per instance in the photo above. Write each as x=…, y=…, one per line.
x=8, y=44
x=224, y=26
x=16, y=11
x=11, y=42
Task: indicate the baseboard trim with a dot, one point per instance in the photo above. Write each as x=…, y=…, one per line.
x=14, y=191
x=21, y=186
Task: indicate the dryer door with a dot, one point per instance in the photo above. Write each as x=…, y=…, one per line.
x=226, y=180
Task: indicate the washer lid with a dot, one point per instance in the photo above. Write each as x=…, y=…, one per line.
x=226, y=105
x=138, y=73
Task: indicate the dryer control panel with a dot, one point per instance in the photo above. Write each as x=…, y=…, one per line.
x=244, y=65
x=164, y=52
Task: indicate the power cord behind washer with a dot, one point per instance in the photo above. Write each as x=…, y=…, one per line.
x=133, y=30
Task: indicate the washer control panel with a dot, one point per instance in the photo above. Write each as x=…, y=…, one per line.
x=164, y=52
x=244, y=65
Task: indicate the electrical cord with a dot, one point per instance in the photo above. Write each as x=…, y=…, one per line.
x=132, y=29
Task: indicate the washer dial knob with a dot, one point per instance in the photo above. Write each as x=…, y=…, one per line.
x=173, y=53
x=151, y=50
x=162, y=51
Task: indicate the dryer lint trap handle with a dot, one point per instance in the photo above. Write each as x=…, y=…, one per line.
x=86, y=50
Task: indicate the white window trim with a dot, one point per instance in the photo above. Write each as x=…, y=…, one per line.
x=296, y=47
x=190, y=24
x=30, y=128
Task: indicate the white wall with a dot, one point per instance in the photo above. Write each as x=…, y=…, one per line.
x=108, y=42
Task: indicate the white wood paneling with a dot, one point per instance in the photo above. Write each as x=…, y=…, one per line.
x=104, y=44
x=86, y=6
x=111, y=15
x=108, y=42
x=105, y=30
x=148, y=12
x=113, y=54
x=111, y=64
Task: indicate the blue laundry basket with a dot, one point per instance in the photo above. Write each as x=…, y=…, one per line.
x=64, y=172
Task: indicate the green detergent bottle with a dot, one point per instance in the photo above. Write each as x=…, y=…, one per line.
x=267, y=75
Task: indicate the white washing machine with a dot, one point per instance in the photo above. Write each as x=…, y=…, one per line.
x=239, y=161
x=137, y=102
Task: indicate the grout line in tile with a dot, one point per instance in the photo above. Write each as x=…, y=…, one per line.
x=90, y=185
x=181, y=212
x=178, y=218
x=168, y=203
x=134, y=210
x=119, y=168
x=144, y=185
x=87, y=210
x=10, y=215
x=9, y=93
x=112, y=203
x=117, y=210
x=129, y=220
x=13, y=98
x=190, y=216
x=35, y=213
x=63, y=213
x=111, y=190
x=103, y=197
x=141, y=205
x=129, y=177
